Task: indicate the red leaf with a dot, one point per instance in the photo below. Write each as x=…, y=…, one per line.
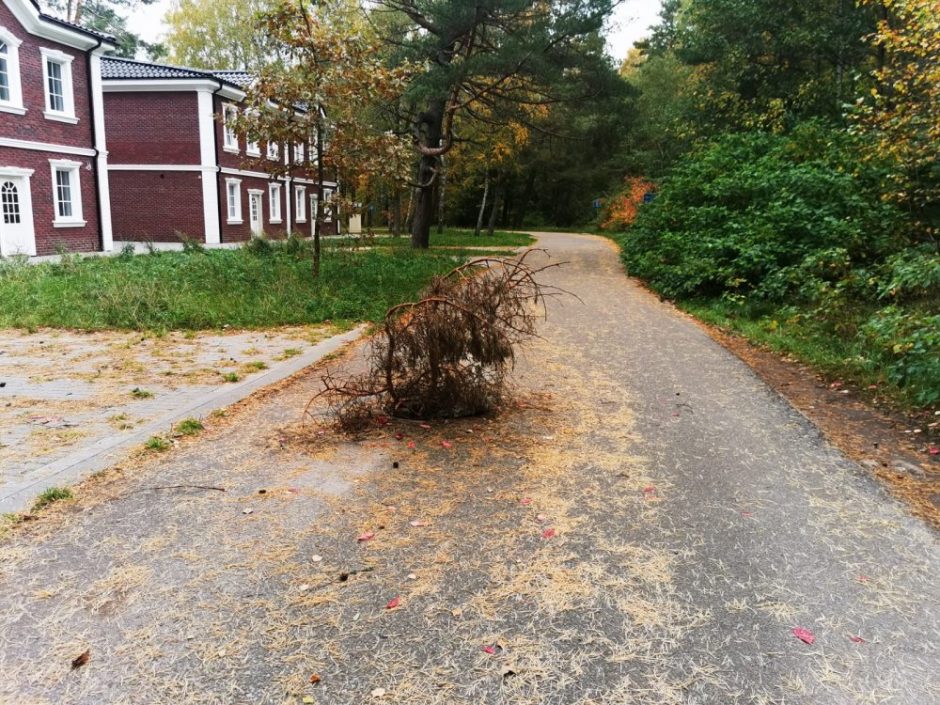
x=525, y=500
x=447, y=444
x=649, y=489
x=548, y=533
x=747, y=514
x=411, y=444
x=856, y=639
x=863, y=578
x=804, y=635
x=489, y=649
x=393, y=603
x=933, y=450
x=367, y=536
x=399, y=436
x=381, y=420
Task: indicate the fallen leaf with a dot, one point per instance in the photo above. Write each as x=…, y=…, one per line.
x=447, y=444
x=933, y=450
x=419, y=522
x=393, y=603
x=399, y=436
x=863, y=578
x=316, y=559
x=367, y=536
x=425, y=425
x=804, y=635
x=378, y=692
x=411, y=444
x=247, y=511
x=525, y=500
x=856, y=639
x=747, y=514
x=308, y=700
x=381, y=420
x=548, y=533
x=304, y=587
x=649, y=489
x=81, y=659
x=315, y=678
x=489, y=649
x=541, y=517
x=412, y=576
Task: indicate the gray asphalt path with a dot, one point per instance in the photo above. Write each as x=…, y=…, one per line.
x=648, y=523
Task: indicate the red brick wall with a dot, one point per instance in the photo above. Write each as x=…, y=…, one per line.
x=33, y=125
x=48, y=238
x=154, y=206
x=152, y=128
x=242, y=232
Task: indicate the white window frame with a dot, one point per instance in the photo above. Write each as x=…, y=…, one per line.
x=15, y=102
x=73, y=169
x=252, y=149
x=54, y=56
x=274, y=151
x=233, y=208
x=274, y=203
x=299, y=153
x=229, y=136
x=300, y=204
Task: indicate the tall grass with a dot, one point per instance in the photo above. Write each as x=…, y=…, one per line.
x=245, y=288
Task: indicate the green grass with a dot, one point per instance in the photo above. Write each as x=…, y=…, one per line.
x=50, y=496
x=213, y=289
x=157, y=443
x=189, y=427
x=139, y=393
x=231, y=377
x=453, y=237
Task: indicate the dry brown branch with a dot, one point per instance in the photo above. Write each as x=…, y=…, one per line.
x=447, y=354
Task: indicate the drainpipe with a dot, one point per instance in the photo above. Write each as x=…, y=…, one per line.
x=94, y=141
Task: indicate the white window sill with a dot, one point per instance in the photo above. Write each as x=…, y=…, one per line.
x=275, y=221
x=69, y=223
x=252, y=154
x=301, y=220
x=230, y=149
x=60, y=117
x=235, y=222
x=15, y=109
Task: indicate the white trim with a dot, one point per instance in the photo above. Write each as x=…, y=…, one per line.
x=300, y=204
x=73, y=169
x=101, y=159
x=274, y=197
x=46, y=147
x=259, y=194
x=16, y=171
x=28, y=15
x=169, y=85
x=287, y=203
x=15, y=103
x=238, y=219
x=160, y=167
x=210, y=184
x=252, y=174
x=64, y=61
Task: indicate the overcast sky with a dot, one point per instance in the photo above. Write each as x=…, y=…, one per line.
x=631, y=21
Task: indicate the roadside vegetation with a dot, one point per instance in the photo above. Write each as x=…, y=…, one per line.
x=449, y=237
x=266, y=284
x=799, y=203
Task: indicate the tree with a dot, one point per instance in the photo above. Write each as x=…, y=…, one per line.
x=902, y=113
x=107, y=16
x=326, y=87
x=217, y=34
x=492, y=56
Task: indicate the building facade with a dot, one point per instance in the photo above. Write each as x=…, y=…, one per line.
x=178, y=169
x=54, y=193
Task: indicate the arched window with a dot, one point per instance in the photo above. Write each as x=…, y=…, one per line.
x=10, y=203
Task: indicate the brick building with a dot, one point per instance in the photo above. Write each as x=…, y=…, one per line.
x=178, y=168
x=53, y=158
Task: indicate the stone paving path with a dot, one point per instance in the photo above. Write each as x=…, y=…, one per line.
x=72, y=403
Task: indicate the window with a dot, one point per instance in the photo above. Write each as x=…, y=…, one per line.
x=229, y=137
x=11, y=95
x=327, y=205
x=274, y=201
x=233, y=192
x=57, y=77
x=252, y=148
x=66, y=193
x=300, y=203
x=274, y=151
x=298, y=153
x=10, y=200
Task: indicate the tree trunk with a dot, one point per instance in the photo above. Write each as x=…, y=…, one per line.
x=441, y=192
x=396, y=213
x=527, y=193
x=486, y=195
x=318, y=217
x=428, y=130
x=492, y=224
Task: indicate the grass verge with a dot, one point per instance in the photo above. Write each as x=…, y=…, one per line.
x=453, y=237
x=245, y=288
x=50, y=496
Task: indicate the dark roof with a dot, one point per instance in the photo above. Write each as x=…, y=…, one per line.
x=71, y=25
x=131, y=69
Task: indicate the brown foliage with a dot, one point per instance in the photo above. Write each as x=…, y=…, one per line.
x=447, y=354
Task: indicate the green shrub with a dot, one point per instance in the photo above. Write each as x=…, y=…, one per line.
x=909, y=345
